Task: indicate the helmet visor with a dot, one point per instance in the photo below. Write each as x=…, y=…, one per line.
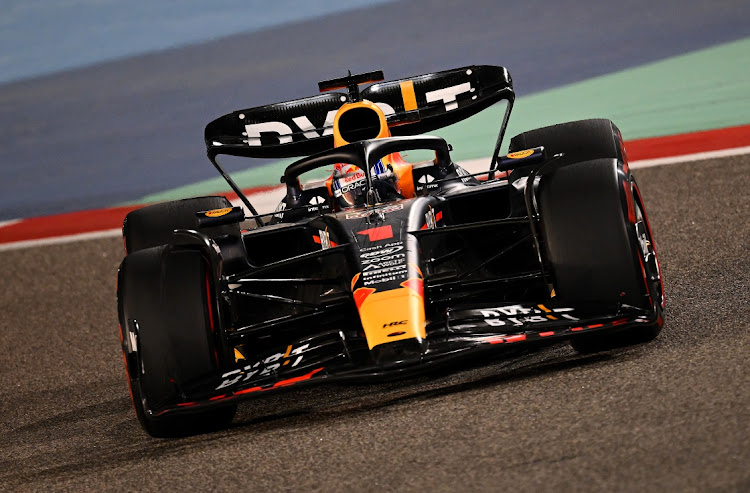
x=349, y=189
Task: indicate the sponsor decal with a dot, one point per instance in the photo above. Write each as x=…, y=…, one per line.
x=394, y=324
x=521, y=154
x=381, y=210
x=340, y=189
x=352, y=177
x=426, y=181
x=429, y=219
x=318, y=203
x=378, y=233
x=383, y=253
x=279, y=212
x=383, y=263
x=463, y=173
x=284, y=133
x=518, y=315
x=218, y=212
x=265, y=367
x=325, y=241
x=448, y=95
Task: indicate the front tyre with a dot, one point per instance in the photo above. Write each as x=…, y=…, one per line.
x=595, y=232
x=154, y=225
x=165, y=310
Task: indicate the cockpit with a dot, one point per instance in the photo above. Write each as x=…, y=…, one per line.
x=365, y=173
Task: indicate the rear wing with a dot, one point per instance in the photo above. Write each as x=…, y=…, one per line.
x=412, y=106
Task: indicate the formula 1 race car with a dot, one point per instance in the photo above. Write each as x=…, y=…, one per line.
x=397, y=260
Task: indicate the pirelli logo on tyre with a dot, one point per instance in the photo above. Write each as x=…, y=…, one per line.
x=218, y=212
x=521, y=154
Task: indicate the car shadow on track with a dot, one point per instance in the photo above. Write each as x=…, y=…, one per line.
x=332, y=402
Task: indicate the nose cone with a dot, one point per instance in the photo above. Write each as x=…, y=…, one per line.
x=399, y=352
x=393, y=315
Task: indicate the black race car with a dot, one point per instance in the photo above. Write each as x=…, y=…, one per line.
x=395, y=261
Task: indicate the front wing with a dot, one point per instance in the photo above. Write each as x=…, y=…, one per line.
x=465, y=331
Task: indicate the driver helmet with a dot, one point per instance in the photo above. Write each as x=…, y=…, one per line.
x=349, y=185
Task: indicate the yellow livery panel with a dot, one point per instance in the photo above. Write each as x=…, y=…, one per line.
x=392, y=315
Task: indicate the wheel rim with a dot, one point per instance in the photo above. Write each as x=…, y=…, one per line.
x=647, y=250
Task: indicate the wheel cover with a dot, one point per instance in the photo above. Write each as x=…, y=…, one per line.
x=647, y=250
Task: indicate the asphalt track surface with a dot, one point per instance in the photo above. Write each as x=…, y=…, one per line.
x=672, y=415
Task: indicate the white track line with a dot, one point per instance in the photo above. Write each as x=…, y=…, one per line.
x=266, y=201
x=9, y=222
x=94, y=235
x=698, y=156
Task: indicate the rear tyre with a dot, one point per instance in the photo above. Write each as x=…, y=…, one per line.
x=153, y=225
x=166, y=334
x=596, y=235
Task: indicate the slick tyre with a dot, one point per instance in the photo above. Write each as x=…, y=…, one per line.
x=579, y=141
x=594, y=227
x=165, y=327
x=153, y=225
